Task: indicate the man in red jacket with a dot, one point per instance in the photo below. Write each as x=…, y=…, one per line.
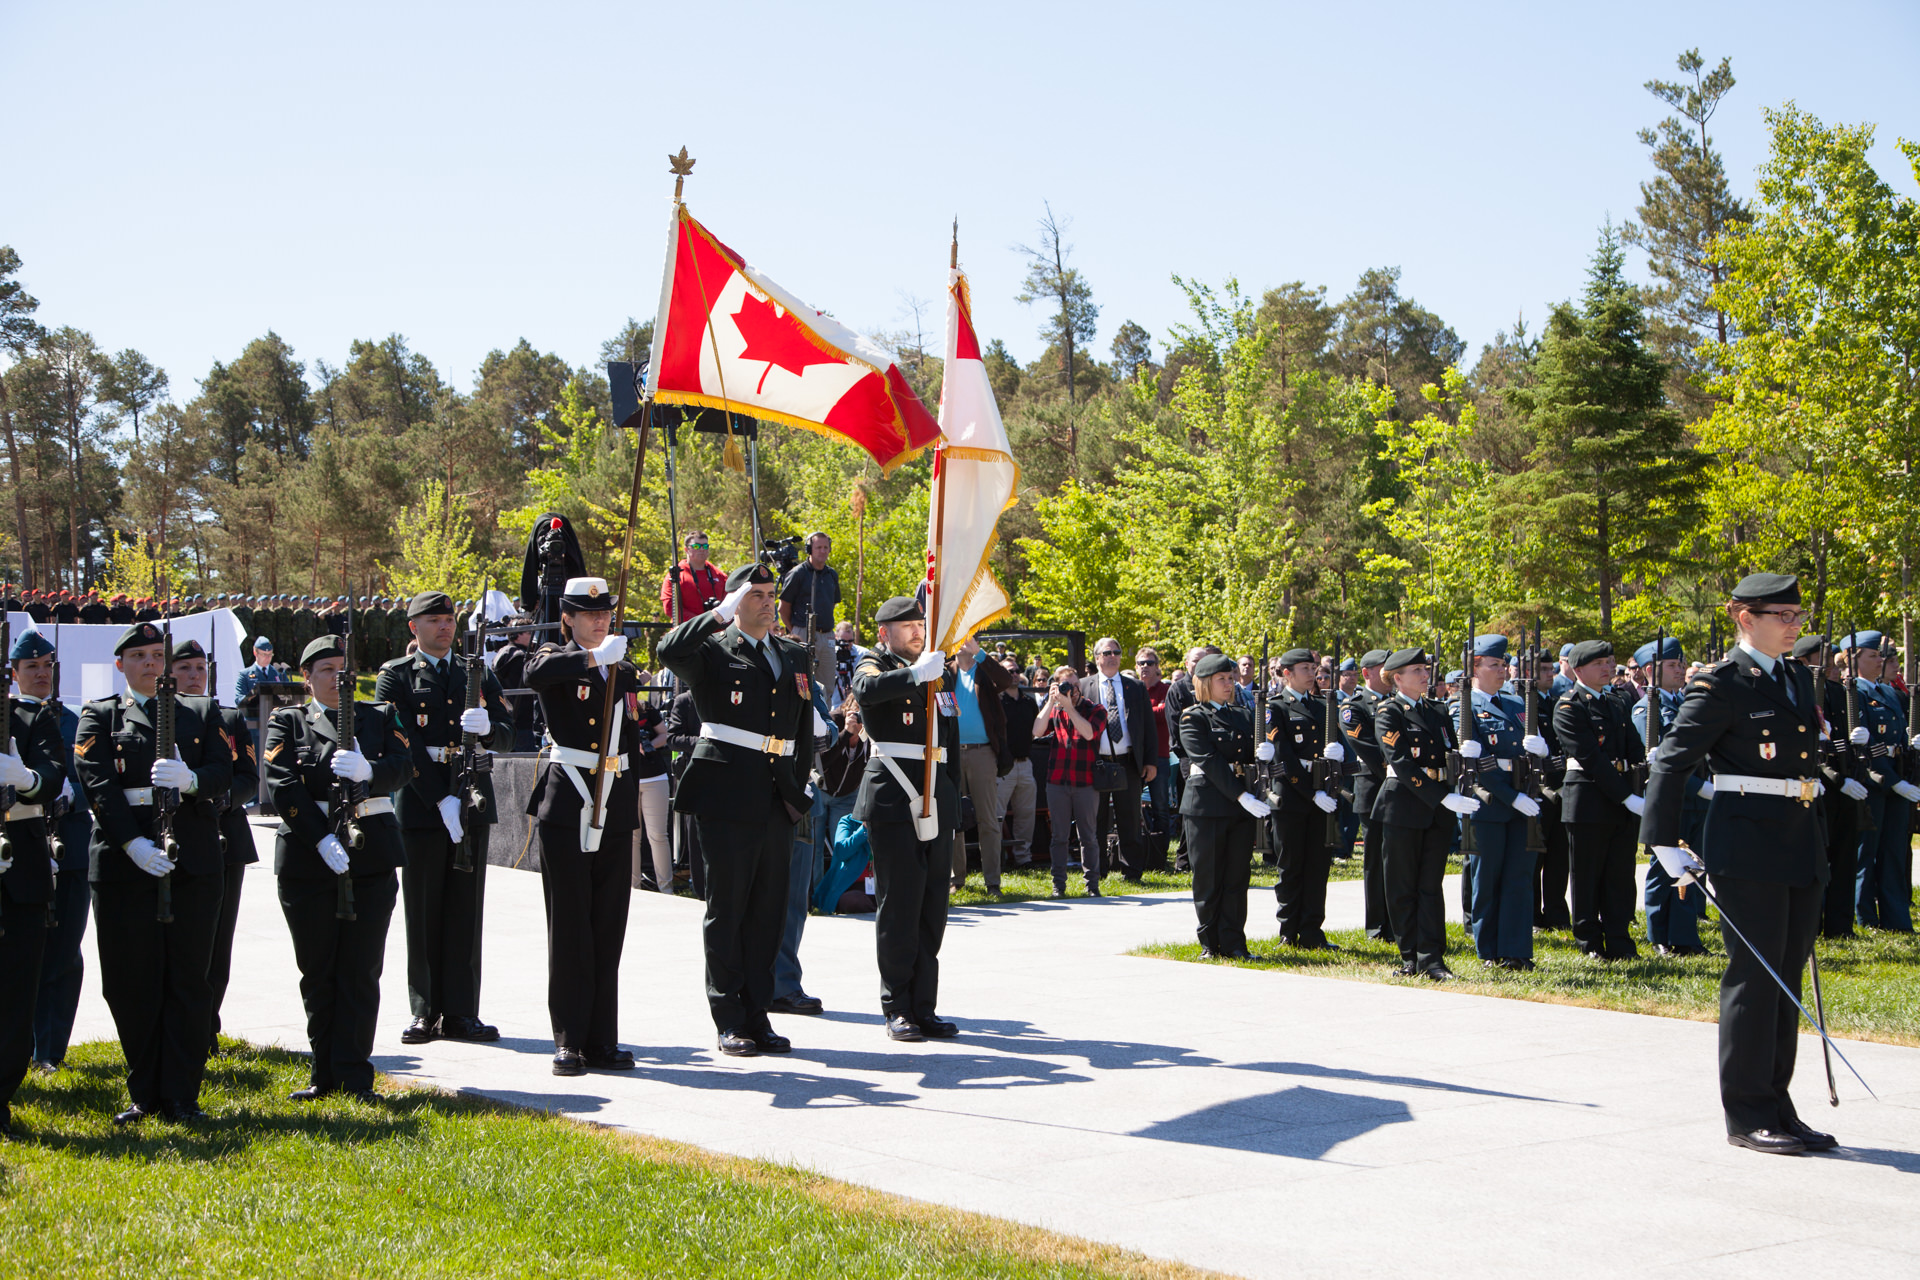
x=702, y=585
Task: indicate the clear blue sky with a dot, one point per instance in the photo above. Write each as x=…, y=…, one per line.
x=182, y=177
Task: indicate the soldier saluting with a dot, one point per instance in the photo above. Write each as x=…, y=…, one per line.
x=1220, y=806
x=1753, y=718
x=153, y=973
x=746, y=788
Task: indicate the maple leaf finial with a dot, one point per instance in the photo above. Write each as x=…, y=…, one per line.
x=680, y=166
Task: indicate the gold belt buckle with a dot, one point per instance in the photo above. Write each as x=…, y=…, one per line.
x=1434, y=774
x=1807, y=792
x=774, y=746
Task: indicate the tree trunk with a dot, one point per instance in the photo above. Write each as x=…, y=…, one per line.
x=1606, y=569
x=19, y=486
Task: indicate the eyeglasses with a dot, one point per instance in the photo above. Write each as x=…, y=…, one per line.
x=1788, y=617
x=1107, y=653
x=698, y=546
x=1147, y=662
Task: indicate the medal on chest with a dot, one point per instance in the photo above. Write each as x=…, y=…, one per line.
x=906, y=717
x=801, y=683
x=580, y=691
x=736, y=695
x=949, y=704
x=1768, y=750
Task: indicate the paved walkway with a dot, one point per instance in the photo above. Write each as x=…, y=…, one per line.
x=1263, y=1124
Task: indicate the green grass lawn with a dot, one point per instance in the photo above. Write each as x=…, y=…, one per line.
x=431, y=1184
x=1027, y=883
x=1871, y=983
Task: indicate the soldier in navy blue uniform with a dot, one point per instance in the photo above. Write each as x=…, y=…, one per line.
x=70, y=827
x=1296, y=726
x=1673, y=913
x=909, y=850
x=1599, y=805
x=585, y=874
x=1220, y=805
x=1550, y=909
x=1370, y=770
x=154, y=974
x=443, y=907
x=746, y=786
x=1416, y=808
x=34, y=764
x=1500, y=912
x=1882, y=884
x=339, y=960
x=1752, y=717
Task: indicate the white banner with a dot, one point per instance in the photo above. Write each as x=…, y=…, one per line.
x=87, y=668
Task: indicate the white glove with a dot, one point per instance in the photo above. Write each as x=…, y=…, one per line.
x=1914, y=742
x=1859, y=737
x=821, y=725
x=1853, y=789
x=1334, y=752
x=1526, y=806
x=66, y=790
x=731, y=605
x=1906, y=791
x=928, y=666
x=476, y=719
x=1471, y=749
x=352, y=766
x=1326, y=802
x=172, y=773
x=1263, y=751
x=1535, y=745
x=605, y=654
x=333, y=853
x=14, y=772
x=450, y=815
x=1706, y=791
x=1457, y=803
x=146, y=855
x=1636, y=805
x=1676, y=861
x=1254, y=805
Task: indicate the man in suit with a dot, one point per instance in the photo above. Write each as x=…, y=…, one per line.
x=1356, y=719
x=746, y=785
x=1599, y=805
x=443, y=902
x=1753, y=717
x=1129, y=742
x=1296, y=725
x=153, y=972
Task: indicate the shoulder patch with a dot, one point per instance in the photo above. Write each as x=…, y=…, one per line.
x=273, y=752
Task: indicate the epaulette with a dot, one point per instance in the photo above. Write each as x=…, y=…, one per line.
x=546, y=646
x=400, y=661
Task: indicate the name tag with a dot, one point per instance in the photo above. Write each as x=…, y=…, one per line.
x=1758, y=715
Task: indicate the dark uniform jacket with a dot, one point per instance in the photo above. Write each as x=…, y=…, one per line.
x=299, y=762
x=1885, y=721
x=1368, y=760
x=573, y=694
x=732, y=686
x=246, y=778
x=1596, y=731
x=1217, y=743
x=36, y=738
x=75, y=830
x=510, y=668
x=894, y=706
x=1297, y=727
x=1415, y=738
x=1742, y=721
x=115, y=752
x=428, y=703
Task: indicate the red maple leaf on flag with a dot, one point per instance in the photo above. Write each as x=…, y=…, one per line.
x=777, y=339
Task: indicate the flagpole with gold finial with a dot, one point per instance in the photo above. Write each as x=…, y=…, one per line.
x=679, y=166
x=934, y=638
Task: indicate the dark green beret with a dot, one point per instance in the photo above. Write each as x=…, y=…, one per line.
x=1400, y=659
x=1215, y=664
x=1807, y=646
x=319, y=647
x=1374, y=657
x=1292, y=656
x=1590, y=651
x=757, y=574
x=1768, y=588
x=139, y=635
x=899, y=609
x=424, y=603
x=187, y=649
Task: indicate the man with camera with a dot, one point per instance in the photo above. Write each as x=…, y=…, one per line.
x=807, y=596
x=700, y=584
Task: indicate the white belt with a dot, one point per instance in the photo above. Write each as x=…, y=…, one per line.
x=138, y=797
x=1803, y=789
x=1573, y=766
x=1505, y=766
x=906, y=750
x=753, y=741
x=365, y=809
x=588, y=760
x=22, y=812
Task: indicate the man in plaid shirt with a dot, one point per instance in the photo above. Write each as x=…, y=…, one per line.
x=1076, y=725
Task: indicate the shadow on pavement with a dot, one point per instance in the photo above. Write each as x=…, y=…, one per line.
x=1314, y=1069
x=1904, y=1161
x=785, y=1090
x=1301, y=1122
x=563, y=1103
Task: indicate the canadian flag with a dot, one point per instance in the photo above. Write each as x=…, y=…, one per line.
x=975, y=477
x=729, y=338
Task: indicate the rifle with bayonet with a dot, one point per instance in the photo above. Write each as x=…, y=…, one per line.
x=471, y=762
x=1463, y=773
x=1326, y=773
x=1650, y=731
x=166, y=800
x=1262, y=773
x=347, y=794
x=1912, y=757
x=1528, y=770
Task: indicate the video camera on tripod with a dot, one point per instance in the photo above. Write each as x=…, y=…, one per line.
x=782, y=555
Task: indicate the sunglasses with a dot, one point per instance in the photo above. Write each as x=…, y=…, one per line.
x=1107, y=653
x=697, y=546
x=1148, y=662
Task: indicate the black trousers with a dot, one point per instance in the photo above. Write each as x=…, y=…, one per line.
x=1120, y=811
x=1550, y=904
x=20, y=956
x=1759, y=1027
x=1373, y=878
x=1416, y=867
x=910, y=883
x=340, y=964
x=587, y=896
x=746, y=878
x=220, y=968
x=1221, y=850
x=62, y=967
x=1301, y=891
x=1843, y=852
x=1601, y=855
x=154, y=978
x=443, y=910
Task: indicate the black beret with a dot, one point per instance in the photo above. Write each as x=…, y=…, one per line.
x=1590, y=651
x=1768, y=588
x=187, y=649
x=424, y=603
x=1292, y=656
x=137, y=636
x=1215, y=664
x=1807, y=646
x=757, y=574
x=1401, y=658
x=319, y=647
x=1374, y=657
x=901, y=609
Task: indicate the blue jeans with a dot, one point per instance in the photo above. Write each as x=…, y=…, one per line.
x=1674, y=921
x=1160, y=801
x=1500, y=914
x=803, y=872
x=61, y=967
